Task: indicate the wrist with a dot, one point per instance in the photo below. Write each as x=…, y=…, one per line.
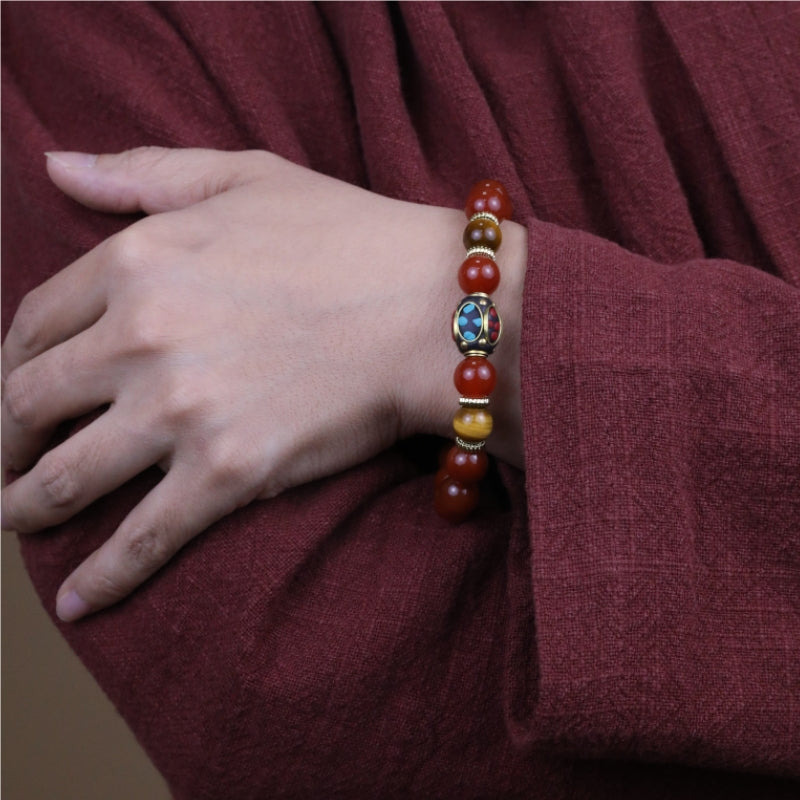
x=425, y=393
x=428, y=400
x=506, y=441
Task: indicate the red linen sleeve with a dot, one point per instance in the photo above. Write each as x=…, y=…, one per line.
x=662, y=566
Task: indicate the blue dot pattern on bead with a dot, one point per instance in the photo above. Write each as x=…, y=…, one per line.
x=470, y=322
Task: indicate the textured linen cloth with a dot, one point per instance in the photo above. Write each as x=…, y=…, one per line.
x=621, y=620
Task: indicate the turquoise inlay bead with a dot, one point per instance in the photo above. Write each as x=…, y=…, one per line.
x=476, y=325
x=470, y=322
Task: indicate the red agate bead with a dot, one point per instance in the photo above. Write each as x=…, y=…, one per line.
x=466, y=466
x=441, y=476
x=478, y=274
x=475, y=377
x=489, y=196
x=455, y=500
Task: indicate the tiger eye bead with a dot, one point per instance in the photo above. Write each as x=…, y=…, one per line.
x=482, y=233
x=489, y=196
x=475, y=377
x=478, y=274
x=472, y=424
x=455, y=500
x=465, y=466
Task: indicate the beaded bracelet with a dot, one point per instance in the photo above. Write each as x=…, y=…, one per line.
x=476, y=331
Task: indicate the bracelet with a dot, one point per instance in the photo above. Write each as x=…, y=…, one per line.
x=476, y=331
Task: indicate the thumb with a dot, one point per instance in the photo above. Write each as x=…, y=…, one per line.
x=151, y=179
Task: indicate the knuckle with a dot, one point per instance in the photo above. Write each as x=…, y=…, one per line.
x=143, y=330
x=27, y=323
x=59, y=481
x=146, y=156
x=129, y=252
x=102, y=589
x=249, y=165
x=137, y=158
x=208, y=185
x=262, y=161
x=179, y=404
x=20, y=399
x=146, y=549
x=228, y=467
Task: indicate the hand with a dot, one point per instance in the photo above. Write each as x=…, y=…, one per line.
x=264, y=327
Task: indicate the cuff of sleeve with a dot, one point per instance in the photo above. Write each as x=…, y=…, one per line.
x=627, y=635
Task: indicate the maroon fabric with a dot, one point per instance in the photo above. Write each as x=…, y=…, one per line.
x=624, y=620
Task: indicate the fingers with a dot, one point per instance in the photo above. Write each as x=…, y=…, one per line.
x=62, y=383
x=88, y=465
x=153, y=179
x=173, y=513
x=148, y=178
x=62, y=306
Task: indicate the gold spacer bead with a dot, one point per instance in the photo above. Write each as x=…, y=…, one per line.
x=485, y=215
x=473, y=402
x=469, y=446
x=481, y=251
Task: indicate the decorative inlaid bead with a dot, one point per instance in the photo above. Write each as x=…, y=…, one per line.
x=474, y=402
x=493, y=325
x=481, y=232
x=470, y=321
x=472, y=423
x=475, y=377
x=465, y=466
x=455, y=500
x=491, y=196
x=476, y=325
x=478, y=274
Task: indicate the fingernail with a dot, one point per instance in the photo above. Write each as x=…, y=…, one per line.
x=71, y=606
x=73, y=160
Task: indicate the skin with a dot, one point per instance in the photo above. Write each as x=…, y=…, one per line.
x=213, y=329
